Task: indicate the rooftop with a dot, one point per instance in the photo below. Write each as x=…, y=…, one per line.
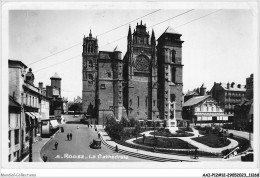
x=55, y=76
x=195, y=100
x=234, y=87
x=171, y=30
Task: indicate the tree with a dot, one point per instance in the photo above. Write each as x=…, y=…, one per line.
x=114, y=128
x=137, y=129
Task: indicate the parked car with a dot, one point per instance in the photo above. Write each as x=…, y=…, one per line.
x=96, y=144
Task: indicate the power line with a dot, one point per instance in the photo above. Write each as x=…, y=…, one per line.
x=153, y=25
x=56, y=63
x=198, y=18
x=97, y=35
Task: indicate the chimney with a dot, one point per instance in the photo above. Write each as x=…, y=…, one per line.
x=41, y=85
x=228, y=85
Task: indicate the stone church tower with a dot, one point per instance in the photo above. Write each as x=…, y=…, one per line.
x=89, y=75
x=170, y=84
x=140, y=74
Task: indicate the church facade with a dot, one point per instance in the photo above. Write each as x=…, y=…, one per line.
x=146, y=84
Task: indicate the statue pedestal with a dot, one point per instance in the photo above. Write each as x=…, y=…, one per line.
x=171, y=125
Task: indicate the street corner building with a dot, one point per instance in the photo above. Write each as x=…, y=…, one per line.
x=146, y=84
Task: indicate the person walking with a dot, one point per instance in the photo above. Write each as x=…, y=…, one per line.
x=116, y=149
x=56, y=145
x=196, y=153
x=70, y=136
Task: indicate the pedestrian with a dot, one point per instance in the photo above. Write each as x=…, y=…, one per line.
x=68, y=136
x=98, y=135
x=56, y=145
x=196, y=153
x=116, y=149
x=45, y=158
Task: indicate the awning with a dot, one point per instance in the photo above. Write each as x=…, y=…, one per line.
x=34, y=115
x=30, y=115
x=54, y=123
x=39, y=116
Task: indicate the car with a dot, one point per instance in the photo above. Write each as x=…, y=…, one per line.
x=96, y=144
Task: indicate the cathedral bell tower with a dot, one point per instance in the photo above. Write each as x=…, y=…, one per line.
x=89, y=75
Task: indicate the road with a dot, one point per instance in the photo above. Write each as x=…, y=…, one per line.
x=77, y=149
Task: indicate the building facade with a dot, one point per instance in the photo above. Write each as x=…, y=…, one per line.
x=23, y=92
x=244, y=111
x=202, y=109
x=145, y=85
x=228, y=95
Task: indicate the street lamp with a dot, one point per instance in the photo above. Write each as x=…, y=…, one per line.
x=250, y=127
x=103, y=116
x=154, y=134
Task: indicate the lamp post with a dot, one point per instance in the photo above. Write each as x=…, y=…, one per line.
x=103, y=116
x=250, y=127
x=154, y=134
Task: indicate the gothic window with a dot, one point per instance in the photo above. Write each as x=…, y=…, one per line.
x=109, y=74
x=146, y=101
x=138, y=101
x=173, y=97
x=173, y=55
x=90, y=78
x=90, y=64
x=154, y=102
x=130, y=102
x=173, y=71
x=88, y=50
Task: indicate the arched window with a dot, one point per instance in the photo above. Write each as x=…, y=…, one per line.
x=173, y=97
x=173, y=55
x=90, y=78
x=88, y=51
x=173, y=71
x=90, y=64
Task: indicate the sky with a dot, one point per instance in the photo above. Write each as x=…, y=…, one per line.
x=219, y=44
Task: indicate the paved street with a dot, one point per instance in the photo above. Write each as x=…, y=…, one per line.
x=78, y=150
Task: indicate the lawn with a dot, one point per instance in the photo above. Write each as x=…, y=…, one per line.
x=173, y=143
x=179, y=133
x=212, y=140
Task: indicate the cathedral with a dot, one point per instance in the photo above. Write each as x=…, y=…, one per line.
x=145, y=84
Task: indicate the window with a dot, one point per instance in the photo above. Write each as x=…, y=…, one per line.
x=130, y=102
x=173, y=97
x=16, y=136
x=9, y=158
x=90, y=78
x=146, y=101
x=154, y=102
x=90, y=64
x=173, y=71
x=102, y=86
x=173, y=55
x=109, y=74
x=138, y=101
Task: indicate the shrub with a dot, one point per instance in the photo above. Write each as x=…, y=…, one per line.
x=231, y=135
x=132, y=122
x=124, y=122
x=225, y=152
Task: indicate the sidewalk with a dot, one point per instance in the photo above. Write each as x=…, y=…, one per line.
x=108, y=140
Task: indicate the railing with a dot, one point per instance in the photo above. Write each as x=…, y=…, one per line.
x=230, y=153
